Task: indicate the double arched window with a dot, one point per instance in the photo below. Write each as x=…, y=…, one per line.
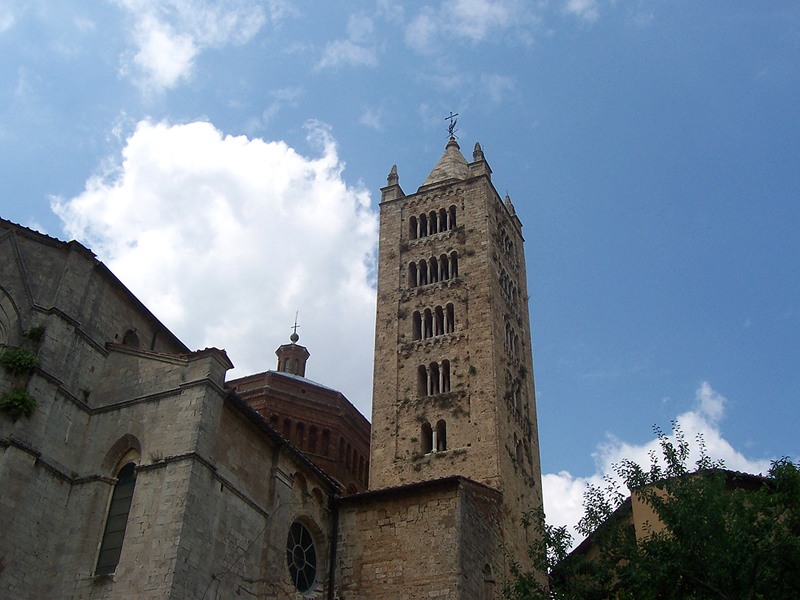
x=434, y=439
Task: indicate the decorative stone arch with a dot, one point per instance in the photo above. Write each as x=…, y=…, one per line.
x=10, y=326
x=126, y=449
x=306, y=555
x=131, y=338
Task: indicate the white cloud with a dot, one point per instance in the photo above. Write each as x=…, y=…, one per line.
x=7, y=18
x=224, y=238
x=470, y=20
x=563, y=492
x=372, y=119
x=586, y=10
x=354, y=51
x=168, y=36
x=346, y=52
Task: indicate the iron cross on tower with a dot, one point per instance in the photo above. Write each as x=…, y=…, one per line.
x=452, y=127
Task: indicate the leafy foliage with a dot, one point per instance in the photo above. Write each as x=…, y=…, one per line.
x=717, y=535
x=18, y=403
x=18, y=361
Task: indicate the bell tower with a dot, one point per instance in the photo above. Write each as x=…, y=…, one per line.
x=453, y=384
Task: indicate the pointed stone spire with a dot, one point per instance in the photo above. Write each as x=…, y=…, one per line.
x=510, y=206
x=393, y=179
x=452, y=165
x=477, y=153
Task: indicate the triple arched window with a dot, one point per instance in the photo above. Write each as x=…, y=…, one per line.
x=433, y=269
x=432, y=322
x=434, y=221
x=433, y=379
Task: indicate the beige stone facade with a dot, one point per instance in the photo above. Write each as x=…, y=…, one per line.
x=453, y=380
x=142, y=473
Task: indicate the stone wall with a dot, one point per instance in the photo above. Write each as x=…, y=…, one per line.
x=419, y=541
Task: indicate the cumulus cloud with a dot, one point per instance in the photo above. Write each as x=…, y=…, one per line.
x=225, y=237
x=563, y=492
x=168, y=36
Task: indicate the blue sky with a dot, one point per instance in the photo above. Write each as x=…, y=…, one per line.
x=224, y=159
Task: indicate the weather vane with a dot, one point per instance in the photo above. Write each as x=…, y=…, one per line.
x=452, y=127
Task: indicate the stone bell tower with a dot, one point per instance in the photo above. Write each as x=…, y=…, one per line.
x=453, y=383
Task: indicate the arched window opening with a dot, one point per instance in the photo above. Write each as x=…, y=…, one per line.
x=433, y=224
x=312, y=439
x=117, y=520
x=423, y=272
x=449, y=319
x=412, y=228
x=287, y=429
x=445, y=376
x=422, y=381
x=441, y=436
x=427, y=327
x=452, y=220
x=454, y=264
x=518, y=451
x=296, y=366
x=273, y=420
x=434, y=383
x=326, y=442
x=349, y=457
x=416, y=325
x=341, y=450
x=301, y=557
x=444, y=268
x=130, y=339
x=423, y=225
x=413, y=281
x=300, y=433
x=433, y=272
x=427, y=438
x=438, y=325
x=443, y=225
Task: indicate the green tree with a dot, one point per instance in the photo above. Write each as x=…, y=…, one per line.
x=717, y=535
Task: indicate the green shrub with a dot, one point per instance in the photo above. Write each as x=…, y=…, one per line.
x=35, y=334
x=18, y=361
x=18, y=403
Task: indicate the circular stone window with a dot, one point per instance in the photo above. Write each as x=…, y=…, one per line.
x=301, y=557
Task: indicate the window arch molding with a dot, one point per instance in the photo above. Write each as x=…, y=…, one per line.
x=304, y=559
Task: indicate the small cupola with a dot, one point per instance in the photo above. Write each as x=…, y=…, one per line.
x=292, y=357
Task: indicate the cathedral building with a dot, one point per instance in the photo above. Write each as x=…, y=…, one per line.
x=130, y=467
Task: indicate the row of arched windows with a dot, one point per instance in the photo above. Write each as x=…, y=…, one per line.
x=314, y=441
x=507, y=246
x=434, y=439
x=512, y=342
x=429, y=323
x=509, y=290
x=433, y=378
x=432, y=222
x=514, y=394
x=433, y=269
